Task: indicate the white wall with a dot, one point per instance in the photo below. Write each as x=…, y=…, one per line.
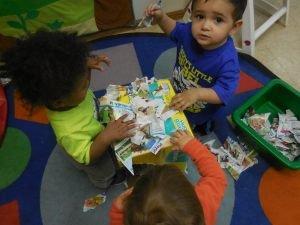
x=168, y=6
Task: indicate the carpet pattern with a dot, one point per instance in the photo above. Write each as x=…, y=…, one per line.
x=39, y=186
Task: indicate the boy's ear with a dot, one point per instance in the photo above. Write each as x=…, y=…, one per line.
x=236, y=26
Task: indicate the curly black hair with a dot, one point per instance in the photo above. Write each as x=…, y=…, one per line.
x=46, y=66
x=239, y=7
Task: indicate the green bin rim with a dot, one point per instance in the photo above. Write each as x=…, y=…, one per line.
x=239, y=112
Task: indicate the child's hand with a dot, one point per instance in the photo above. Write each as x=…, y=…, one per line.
x=180, y=138
x=119, y=202
x=118, y=129
x=95, y=61
x=185, y=99
x=154, y=10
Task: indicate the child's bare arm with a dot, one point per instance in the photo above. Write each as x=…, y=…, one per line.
x=164, y=21
x=115, y=131
x=187, y=98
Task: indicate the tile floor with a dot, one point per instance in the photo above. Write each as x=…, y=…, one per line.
x=279, y=47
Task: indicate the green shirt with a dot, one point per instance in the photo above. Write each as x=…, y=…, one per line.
x=75, y=129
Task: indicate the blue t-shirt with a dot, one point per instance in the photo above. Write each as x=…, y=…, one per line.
x=196, y=67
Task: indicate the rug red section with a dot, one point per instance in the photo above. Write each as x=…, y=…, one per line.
x=279, y=195
x=9, y=213
x=22, y=111
x=247, y=83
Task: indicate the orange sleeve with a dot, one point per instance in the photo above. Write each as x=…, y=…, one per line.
x=115, y=215
x=212, y=184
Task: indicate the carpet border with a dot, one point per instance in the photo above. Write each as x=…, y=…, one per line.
x=139, y=34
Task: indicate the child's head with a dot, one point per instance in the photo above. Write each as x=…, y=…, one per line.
x=163, y=195
x=49, y=69
x=214, y=20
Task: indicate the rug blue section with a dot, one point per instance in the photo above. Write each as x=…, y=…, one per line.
x=26, y=189
x=148, y=47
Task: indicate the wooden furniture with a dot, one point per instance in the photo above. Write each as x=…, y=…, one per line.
x=249, y=33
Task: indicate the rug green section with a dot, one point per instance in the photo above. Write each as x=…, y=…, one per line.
x=14, y=156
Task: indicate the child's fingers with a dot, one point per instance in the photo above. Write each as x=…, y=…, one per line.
x=120, y=199
x=98, y=67
x=175, y=148
x=122, y=118
x=178, y=101
x=189, y=132
x=126, y=126
x=151, y=9
x=107, y=62
x=105, y=59
x=94, y=61
x=176, y=98
x=182, y=132
x=173, y=141
x=148, y=10
x=129, y=127
x=127, y=192
x=175, y=134
x=179, y=134
x=126, y=135
x=175, y=101
x=173, y=137
x=129, y=122
x=126, y=130
x=175, y=104
x=95, y=66
x=180, y=106
x=186, y=132
x=155, y=7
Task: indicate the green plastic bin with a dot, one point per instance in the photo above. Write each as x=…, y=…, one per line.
x=275, y=97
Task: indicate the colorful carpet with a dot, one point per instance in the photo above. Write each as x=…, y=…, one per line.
x=39, y=186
